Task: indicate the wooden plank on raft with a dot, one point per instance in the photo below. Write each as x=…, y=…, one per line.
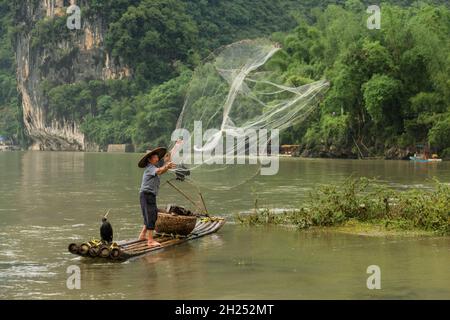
x=206, y=228
x=135, y=244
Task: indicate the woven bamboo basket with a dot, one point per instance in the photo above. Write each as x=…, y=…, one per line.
x=175, y=224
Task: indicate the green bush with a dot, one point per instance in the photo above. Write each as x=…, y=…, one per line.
x=48, y=32
x=366, y=200
x=439, y=135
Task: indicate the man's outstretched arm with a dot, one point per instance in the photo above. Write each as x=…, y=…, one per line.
x=169, y=155
x=165, y=168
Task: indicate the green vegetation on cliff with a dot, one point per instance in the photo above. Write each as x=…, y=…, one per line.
x=10, y=116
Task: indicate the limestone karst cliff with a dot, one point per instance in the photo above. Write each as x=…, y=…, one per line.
x=63, y=58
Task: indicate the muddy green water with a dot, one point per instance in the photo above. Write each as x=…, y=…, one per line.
x=50, y=199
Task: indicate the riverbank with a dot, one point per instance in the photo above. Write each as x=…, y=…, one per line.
x=367, y=207
x=9, y=148
x=318, y=153
x=331, y=152
x=372, y=229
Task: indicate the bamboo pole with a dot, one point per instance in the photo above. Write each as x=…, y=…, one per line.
x=182, y=193
x=104, y=251
x=73, y=248
x=204, y=204
x=115, y=253
x=93, y=251
x=84, y=248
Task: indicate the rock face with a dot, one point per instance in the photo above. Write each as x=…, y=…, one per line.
x=79, y=57
x=396, y=153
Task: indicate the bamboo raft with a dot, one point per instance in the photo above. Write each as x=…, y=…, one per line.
x=126, y=249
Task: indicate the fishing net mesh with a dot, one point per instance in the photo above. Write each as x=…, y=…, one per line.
x=232, y=94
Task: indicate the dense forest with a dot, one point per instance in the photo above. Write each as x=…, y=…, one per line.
x=390, y=88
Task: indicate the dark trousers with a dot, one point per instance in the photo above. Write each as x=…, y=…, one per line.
x=149, y=209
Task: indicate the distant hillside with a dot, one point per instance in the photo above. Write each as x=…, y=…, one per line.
x=122, y=77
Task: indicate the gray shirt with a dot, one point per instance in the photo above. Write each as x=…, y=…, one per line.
x=150, y=180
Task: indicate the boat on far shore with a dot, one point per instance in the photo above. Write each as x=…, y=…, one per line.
x=424, y=160
x=424, y=155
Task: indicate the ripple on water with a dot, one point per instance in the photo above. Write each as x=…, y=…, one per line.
x=25, y=270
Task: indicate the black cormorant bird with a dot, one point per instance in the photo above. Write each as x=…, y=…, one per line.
x=106, y=230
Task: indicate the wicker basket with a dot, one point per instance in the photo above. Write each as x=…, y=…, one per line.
x=175, y=224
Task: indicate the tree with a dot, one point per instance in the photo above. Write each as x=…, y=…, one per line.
x=439, y=135
x=151, y=36
x=159, y=110
x=381, y=98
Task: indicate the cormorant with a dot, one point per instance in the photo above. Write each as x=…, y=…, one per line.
x=106, y=230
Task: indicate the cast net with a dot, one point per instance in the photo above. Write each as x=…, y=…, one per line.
x=232, y=97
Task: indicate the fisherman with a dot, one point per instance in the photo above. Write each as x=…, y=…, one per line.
x=156, y=162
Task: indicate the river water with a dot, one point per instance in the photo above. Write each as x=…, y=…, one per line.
x=49, y=199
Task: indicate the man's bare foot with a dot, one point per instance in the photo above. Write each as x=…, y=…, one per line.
x=142, y=236
x=153, y=243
